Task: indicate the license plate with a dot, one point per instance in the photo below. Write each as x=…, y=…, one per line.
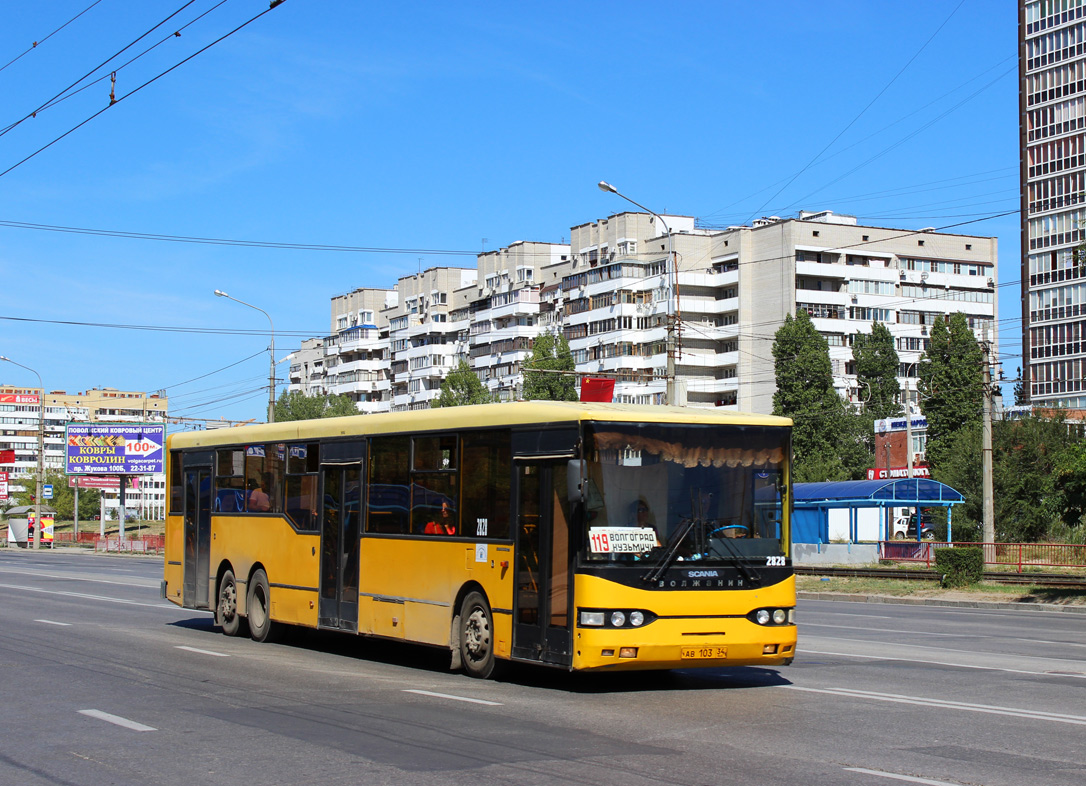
x=699, y=653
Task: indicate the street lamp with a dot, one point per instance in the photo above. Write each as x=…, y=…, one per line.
x=271, y=351
x=672, y=318
x=41, y=451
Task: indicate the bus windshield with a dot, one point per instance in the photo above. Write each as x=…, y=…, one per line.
x=663, y=493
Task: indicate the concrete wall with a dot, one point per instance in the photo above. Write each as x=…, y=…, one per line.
x=835, y=553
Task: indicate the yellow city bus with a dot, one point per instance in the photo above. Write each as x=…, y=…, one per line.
x=576, y=535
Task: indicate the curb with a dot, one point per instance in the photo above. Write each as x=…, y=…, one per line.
x=968, y=604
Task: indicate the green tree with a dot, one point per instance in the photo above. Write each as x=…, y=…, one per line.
x=298, y=406
x=950, y=384
x=826, y=442
x=63, y=501
x=1027, y=456
x=549, y=354
x=877, y=366
x=462, y=387
x=1069, y=502
x=1021, y=398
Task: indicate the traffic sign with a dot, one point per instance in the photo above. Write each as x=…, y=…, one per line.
x=47, y=491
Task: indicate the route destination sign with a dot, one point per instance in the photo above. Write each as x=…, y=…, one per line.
x=114, y=448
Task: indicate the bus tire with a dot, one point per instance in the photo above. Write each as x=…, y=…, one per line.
x=226, y=611
x=261, y=627
x=477, y=637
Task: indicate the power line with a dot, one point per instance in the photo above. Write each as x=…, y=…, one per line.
x=218, y=241
x=58, y=96
x=862, y=111
x=114, y=102
x=65, y=94
x=36, y=44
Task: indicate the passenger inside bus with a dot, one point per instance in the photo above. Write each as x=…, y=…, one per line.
x=446, y=525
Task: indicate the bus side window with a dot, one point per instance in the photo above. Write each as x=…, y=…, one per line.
x=388, y=495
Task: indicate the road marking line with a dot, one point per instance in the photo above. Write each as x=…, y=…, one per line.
x=454, y=698
x=118, y=720
x=1077, y=720
x=144, y=583
x=50, y=622
x=940, y=663
x=891, y=630
x=204, y=652
x=898, y=777
x=90, y=597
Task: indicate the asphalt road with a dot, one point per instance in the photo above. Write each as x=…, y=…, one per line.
x=105, y=683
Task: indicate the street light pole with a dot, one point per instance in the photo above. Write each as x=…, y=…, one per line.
x=41, y=451
x=271, y=352
x=672, y=315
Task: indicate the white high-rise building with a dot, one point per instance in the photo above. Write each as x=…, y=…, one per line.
x=611, y=293
x=1052, y=126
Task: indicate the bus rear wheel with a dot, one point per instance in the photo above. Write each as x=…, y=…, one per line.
x=477, y=637
x=261, y=627
x=227, y=609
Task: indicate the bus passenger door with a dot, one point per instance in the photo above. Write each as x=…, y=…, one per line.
x=197, y=569
x=542, y=589
x=341, y=511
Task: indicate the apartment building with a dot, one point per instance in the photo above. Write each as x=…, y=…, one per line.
x=502, y=312
x=20, y=416
x=425, y=342
x=1052, y=129
x=611, y=292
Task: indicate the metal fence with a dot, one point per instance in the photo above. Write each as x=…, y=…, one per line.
x=1020, y=556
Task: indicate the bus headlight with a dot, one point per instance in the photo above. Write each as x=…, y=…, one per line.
x=773, y=616
x=592, y=619
x=614, y=618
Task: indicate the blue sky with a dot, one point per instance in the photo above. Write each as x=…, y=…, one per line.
x=432, y=126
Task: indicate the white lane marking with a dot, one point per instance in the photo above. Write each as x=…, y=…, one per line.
x=50, y=622
x=973, y=653
x=150, y=583
x=846, y=614
x=91, y=597
x=454, y=698
x=909, y=632
x=117, y=719
x=894, y=698
x=204, y=652
x=948, y=664
x=899, y=777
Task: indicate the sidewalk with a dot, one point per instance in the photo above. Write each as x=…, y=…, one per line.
x=968, y=603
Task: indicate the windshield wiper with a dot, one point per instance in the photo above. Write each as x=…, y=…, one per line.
x=741, y=563
x=672, y=549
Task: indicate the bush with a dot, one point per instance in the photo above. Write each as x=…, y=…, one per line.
x=960, y=566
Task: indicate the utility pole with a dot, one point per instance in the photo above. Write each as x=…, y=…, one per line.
x=675, y=390
x=987, y=492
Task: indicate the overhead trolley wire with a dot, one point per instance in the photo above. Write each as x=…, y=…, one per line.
x=61, y=95
x=36, y=44
x=152, y=80
x=68, y=92
x=862, y=111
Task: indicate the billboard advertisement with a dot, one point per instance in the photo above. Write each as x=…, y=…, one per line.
x=19, y=398
x=107, y=482
x=114, y=448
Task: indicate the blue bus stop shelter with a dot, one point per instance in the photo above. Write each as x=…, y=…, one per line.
x=812, y=503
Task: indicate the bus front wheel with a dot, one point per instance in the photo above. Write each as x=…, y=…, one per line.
x=261, y=627
x=227, y=610
x=477, y=637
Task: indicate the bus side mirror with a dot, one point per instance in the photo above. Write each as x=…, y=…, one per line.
x=574, y=472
